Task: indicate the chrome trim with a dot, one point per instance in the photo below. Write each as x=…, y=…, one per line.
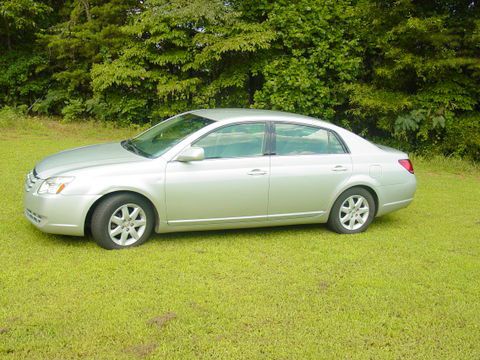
x=34, y=217
x=246, y=218
x=296, y=215
x=398, y=202
x=30, y=180
x=202, y=221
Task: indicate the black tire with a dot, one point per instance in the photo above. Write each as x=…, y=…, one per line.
x=110, y=206
x=334, y=222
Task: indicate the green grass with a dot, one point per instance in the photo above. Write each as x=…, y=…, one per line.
x=407, y=288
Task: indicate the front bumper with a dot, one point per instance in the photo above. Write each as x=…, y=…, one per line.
x=58, y=214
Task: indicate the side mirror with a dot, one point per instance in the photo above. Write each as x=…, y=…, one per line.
x=193, y=153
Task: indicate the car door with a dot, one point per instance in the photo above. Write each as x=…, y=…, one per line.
x=307, y=165
x=229, y=185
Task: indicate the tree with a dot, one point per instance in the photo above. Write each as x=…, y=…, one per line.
x=315, y=54
x=87, y=33
x=20, y=19
x=22, y=77
x=420, y=71
x=181, y=55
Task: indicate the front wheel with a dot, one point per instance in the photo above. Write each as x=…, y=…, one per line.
x=352, y=212
x=122, y=220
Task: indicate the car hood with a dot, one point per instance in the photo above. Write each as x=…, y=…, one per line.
x=88, y=156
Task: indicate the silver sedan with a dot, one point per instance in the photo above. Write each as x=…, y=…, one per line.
x=218, y=169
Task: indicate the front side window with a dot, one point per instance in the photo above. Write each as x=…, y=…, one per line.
x=162, y=137
x=295, y=139
x=234, y=141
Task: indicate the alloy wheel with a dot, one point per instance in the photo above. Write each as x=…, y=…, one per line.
x=354, y=212
x=127, y=224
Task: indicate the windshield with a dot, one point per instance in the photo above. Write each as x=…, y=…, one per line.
x=162, y=137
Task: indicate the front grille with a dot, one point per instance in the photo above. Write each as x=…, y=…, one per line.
x=30, y=180
x=33, y=216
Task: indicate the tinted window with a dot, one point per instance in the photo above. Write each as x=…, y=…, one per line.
x=294, y=139
x=242, y=140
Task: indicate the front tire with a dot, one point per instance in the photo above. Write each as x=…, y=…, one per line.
x=352, y=212
x=121, y=221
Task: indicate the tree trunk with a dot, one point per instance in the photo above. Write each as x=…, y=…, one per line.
x=9, y=40
x=86, y=6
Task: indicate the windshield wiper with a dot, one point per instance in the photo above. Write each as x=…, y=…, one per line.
x=130, y=146
x=127, y=144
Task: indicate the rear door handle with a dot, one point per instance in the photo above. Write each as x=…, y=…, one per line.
x=256, y=172
x=339, y=168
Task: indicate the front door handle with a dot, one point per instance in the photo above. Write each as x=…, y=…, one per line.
x=339, y=168
x=256, y=172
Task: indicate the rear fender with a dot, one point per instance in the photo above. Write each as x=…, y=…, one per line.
x=356, y=180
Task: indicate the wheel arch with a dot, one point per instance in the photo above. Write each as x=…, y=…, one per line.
x=88, y=218
x=373, y=193
x=368, y=188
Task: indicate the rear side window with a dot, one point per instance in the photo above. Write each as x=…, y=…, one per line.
x=295, y=139
x=234, y=141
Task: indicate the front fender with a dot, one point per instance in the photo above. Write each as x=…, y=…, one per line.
x=157, y=201
x=151, y=185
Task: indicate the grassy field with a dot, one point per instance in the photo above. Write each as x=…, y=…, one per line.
x=407, y=288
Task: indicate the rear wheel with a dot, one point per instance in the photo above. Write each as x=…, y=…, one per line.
x=122, y=220
x=352, y=212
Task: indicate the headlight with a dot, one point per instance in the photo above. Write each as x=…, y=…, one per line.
x=55, y=185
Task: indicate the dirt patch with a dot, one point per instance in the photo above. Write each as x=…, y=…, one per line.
x=198, y=307
x=10, y=137
x=141, y=350
x=4, y=330
x=323, y=285
x=161, y=321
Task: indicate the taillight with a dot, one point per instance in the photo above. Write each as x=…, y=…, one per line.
x=407, y=164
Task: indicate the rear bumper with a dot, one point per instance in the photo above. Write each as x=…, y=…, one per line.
x=395, y=197
x=58, y=214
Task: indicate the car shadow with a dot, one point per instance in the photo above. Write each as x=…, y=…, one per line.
x=384, y=222
x=66, y=240
x=229, y=234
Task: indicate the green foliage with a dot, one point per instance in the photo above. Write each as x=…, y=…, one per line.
x=420, y=77
x=73, y=109
x=23, y=78
x=86, y=34
x=462, y=137
x=9, y=115
x=183, y=54
x=401, y=70
x=20, y=19
x=315, y=55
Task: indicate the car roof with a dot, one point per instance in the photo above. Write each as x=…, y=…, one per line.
x=251, y=114
x=354, y=142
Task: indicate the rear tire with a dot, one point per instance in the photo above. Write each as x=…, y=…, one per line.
x=352, y=212
x=122, y=221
